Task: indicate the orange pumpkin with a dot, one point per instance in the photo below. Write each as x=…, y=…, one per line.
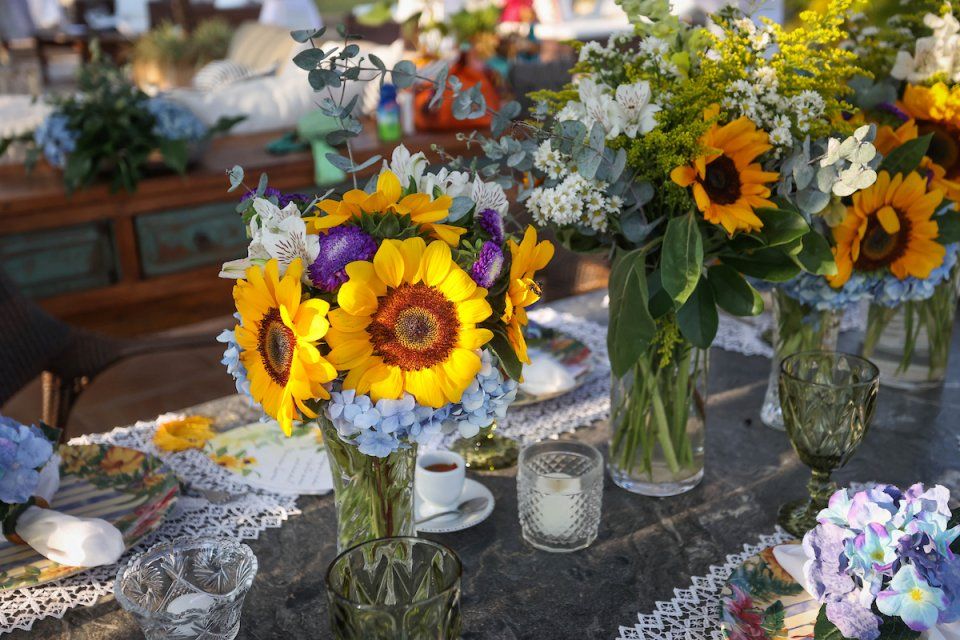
x=440, y=118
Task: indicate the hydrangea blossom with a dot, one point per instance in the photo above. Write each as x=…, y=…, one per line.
x=56, y=139
x=933, y=55
x=231, y=360
x=175, y=121
x=815, y=292
x=23, y=451
x=486, y=399
x=890, y=291
x=887, y=548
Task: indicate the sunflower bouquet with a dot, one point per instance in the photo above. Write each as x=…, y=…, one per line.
x=701, y=160
x=389, y=315
x=898, y=240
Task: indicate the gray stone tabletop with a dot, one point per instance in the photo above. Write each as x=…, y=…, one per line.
x=646, y=548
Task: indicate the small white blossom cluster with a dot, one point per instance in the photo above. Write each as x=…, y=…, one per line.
x=574, y=200
x=760, y=37
x=759, y=99
x=606, y=60
x=653, y=54
x=629, y=110
x=934, y=55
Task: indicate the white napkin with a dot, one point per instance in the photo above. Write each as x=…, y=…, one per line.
x=545, y=375
x=66, y=539
x=792, y=558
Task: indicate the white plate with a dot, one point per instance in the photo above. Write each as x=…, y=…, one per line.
x=449, y=524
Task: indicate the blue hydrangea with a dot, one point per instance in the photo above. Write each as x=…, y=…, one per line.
x=890, y=291
x=231, y=360
x=56, y=139
x=23, y=451
x=486, y=399
x=378, y=429
x=814, y=291
x=175, y=121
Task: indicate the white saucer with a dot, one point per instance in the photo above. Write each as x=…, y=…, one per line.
x=449, y=524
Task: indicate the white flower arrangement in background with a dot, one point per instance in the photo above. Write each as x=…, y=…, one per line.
x=936, y=54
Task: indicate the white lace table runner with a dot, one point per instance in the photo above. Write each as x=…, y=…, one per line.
x=244, y=518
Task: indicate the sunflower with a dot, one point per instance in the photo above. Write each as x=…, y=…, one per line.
x=890, y=225
x=937, y=110
x=407, y=323
x=526, y=259
x=889, y=139
x=422, y=209
x=180, y=434
x=278, y=337
x=728, y=185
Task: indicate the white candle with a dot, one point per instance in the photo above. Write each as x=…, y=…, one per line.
x=558, y=512
x=184, y=603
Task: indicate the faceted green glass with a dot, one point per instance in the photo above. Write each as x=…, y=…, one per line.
x=395, y=589
x=828, y=399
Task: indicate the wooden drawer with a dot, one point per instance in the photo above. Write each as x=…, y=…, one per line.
x=175, y=241
x=57, y=261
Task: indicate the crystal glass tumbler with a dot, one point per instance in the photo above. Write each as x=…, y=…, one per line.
x=189, y=588
x=395, y=589
x=559, y=491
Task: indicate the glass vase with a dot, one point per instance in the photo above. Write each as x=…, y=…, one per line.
x=796, y=327
x=657, y=416
x=373, y=496
x=910, y=342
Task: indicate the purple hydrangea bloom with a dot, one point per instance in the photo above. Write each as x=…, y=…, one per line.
x=491, y=222
x=283, y=199
x=338, y=248
x=489, y=265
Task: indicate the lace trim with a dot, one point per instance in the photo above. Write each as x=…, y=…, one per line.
x=695, y=612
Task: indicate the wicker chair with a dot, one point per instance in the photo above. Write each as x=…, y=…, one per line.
x=32, y=343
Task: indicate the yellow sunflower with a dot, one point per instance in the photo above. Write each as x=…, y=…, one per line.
x=278, y=335
x=407, y=323
x=890, y=225
x=889, y=139
x=422, y=209
x=728, y=185
x=526, y=259
x=937, y=110
x=189, y=432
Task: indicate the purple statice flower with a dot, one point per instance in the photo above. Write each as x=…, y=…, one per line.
x=489, y=265
x=894, y=110
x=338, y=248
x=491, y=222
x=283, y=199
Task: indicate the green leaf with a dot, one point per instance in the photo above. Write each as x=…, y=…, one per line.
x=308, y=59
x=404, y=74
x=906, y=157
x=262, y=185
x=824, y=629
x=767, y=264
x=781, y=226
x=682, y=259
x=698, y=318
x=236, y=177
x=948, y=224
x=377, y=62
x=508, y=357
x=732, y=292
x=440, y=87
x=631, y=327
x=774, y=618
x=303, y=35
x=660, y=301
x=816, y=257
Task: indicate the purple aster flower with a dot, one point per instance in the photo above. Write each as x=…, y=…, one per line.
x=893, y=109
x=491, y=222
x=488, y=266
x=283, y=199
x=338, y=248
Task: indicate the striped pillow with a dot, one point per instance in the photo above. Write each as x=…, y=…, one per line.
x=220, y=73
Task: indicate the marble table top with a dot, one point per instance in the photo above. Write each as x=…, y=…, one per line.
x=646, y=546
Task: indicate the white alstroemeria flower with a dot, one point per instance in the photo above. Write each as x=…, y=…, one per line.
x=288, y=241
x=268, y=215
x=406, y=166
x=450, y=183
x=488, y=195
x=601, y=107
x=639, y=112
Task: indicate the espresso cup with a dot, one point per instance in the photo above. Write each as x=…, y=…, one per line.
x=442, y=486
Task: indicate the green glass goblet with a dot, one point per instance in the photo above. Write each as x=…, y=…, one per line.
x=828, y=399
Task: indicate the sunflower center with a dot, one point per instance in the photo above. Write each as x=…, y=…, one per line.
x=722, y=182
x=878, y=248
x=415, y=327
x=943, y=146
x=276, y=344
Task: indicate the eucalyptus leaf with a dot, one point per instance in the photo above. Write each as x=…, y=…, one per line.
x=440, y=89
x=236, y=177
x=732, y=292
x=682, y=258
x=262, y=185
x=304, y=35
x=404, y=74
x=460, y=207
x=377, y=62
x=340, y=162
x=631, y=327
x=698, y=318
x=309, y=58
x=812, y=201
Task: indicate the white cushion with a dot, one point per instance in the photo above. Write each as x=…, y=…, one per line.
x=219, y=73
